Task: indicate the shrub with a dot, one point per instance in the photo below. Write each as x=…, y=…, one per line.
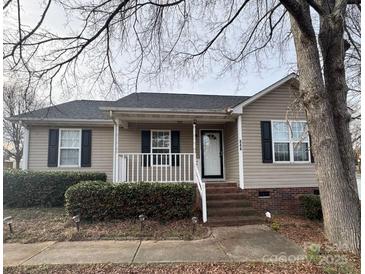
x=275, y=226
x=34, y=188
x=313, y=253
x=159, y=201
x=312, y=206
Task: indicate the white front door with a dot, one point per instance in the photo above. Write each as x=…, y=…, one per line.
x=212, y=154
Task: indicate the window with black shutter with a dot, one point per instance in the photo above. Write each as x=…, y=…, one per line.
x=146, y=146
x=266, y=142
x=175, y=147
x=86, y=148
x=53, y=147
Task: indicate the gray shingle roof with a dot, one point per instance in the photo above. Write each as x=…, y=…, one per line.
x=178, y=101
x=89, y=109
x=79, y=109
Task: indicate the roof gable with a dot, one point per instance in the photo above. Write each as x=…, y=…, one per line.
x=290, y=77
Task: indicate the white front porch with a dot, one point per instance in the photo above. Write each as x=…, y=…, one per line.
x=134, y=164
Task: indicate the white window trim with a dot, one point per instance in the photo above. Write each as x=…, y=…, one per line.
x=291, y=144
x=59, y=147
x=169, y=148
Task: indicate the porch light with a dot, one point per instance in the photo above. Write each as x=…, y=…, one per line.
x=194, y=220
x=142, y=218
x=76, y=220
x=9, y=221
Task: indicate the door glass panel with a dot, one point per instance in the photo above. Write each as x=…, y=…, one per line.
x=212, y=157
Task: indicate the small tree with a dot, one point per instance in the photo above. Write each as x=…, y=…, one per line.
x=17, y=100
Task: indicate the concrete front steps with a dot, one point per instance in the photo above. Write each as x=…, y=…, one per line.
x=228, y=206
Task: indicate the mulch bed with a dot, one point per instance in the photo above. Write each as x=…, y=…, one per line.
x=305, y=232
x=301, y=230
x=232, y=268
x=52, y=224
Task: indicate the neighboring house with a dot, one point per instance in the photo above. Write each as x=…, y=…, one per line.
x=8, y=160
x=234, y=148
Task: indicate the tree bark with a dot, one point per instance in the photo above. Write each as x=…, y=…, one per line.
x=17, y=163
x=333, y=53
x=341, y=211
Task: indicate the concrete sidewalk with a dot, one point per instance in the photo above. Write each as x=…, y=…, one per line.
x=227, y=244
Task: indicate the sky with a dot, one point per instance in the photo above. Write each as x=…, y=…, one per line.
x=252, y=81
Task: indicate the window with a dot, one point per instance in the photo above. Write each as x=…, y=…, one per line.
x=281, y=141
x=161, y=144
x=264, y=194
x=290, y=141
x=69, y=147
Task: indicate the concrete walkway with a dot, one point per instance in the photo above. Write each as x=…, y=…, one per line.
x=226, y=244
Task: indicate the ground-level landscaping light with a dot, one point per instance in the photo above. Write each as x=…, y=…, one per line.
x=9, y=221
x=142, y=218
x=76, y=220
x=268, y=216
x=194, y=220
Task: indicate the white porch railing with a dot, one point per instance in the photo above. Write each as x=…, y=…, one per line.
x=201, y=187
x=161, y=167
x=156, y=167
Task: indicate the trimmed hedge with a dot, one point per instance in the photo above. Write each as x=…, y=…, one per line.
x=158, y=201
x=35, y=188
x=312, y=206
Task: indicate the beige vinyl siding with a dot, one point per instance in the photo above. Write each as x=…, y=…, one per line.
x=273, y=106
x=231, y=152
x=101, y=153
x=130, y=139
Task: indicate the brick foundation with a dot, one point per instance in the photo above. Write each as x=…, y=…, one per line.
x=281, y=200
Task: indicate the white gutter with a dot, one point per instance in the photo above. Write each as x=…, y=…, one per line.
x=56, y=119
x=165, y=110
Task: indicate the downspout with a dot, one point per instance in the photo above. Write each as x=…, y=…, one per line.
x=114, y=147
x=25, y=147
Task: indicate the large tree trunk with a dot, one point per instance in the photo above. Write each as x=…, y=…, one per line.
x=341, y=211
x=333, y=52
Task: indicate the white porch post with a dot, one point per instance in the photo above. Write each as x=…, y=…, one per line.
x=116, y=151
x=25, y=148
x=240, y=151
x=194, y=144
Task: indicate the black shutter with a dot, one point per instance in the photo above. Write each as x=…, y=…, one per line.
x=266, y=142
x=86, y=148
x=310, y=149
x=53, y=148
x=175, y=147
x=146, y=147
